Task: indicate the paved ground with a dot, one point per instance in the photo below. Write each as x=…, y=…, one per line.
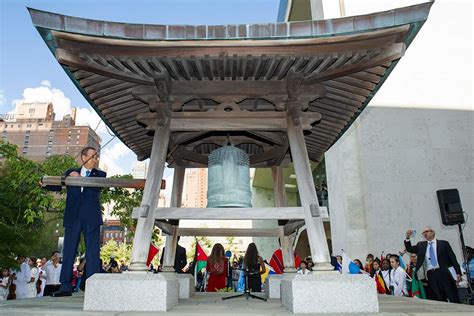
x=211, y=304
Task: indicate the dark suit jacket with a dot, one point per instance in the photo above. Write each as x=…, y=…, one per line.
x=444, y=252
x=83, y=205
x=180, y=260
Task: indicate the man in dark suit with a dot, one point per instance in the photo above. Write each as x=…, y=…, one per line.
x=180, y=260
x=436, y=256
x=82, y=214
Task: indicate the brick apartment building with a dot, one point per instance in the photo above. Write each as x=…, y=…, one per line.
x=38, y=136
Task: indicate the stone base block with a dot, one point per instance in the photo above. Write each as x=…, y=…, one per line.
x=327, y=292
x=131, y=292
x=186, y=285
x=272, y=286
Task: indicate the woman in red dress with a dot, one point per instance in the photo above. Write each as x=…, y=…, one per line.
x=217, y=268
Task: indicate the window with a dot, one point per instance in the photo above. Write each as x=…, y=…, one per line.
x=28, y=125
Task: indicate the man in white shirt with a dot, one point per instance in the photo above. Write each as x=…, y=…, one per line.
x=22, y=277
x=52, y=272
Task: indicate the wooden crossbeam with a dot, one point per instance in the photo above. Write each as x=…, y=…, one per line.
x=228, y=121
x=97, y=182
x=234, y=232
x=224, y=213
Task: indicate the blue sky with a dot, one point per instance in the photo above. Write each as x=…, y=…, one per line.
x=26, y=62
x=436, y=71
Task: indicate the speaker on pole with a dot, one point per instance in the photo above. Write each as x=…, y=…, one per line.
x=450, y=207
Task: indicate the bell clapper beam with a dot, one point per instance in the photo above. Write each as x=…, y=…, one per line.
x=97, y=182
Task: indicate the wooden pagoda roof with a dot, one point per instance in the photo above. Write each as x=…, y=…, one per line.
x=230, y=83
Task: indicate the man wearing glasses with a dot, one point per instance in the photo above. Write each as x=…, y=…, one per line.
x=81, y=215
x=436, y=257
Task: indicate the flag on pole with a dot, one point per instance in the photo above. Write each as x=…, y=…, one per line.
x=348, y=266
x=379, y=281
x=417, y=289
x=151, y=253
x=402, y=263
x=200, y=258
x=268, y=270
x=276, y=262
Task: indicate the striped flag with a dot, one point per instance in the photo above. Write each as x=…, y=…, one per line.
x=348, y=266
x=276, y=262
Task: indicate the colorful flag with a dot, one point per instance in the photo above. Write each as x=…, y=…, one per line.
x=200, y=258
x=417, y=289
x=151, y=253
x=379, y=281
x=402, y=263
x=276, y=262
x=268, y=270
x=348, y=266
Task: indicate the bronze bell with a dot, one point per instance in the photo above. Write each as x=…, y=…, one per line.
x=229, y=178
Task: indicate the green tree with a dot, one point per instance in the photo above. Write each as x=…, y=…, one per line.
x=123, y=201
x=23, y=203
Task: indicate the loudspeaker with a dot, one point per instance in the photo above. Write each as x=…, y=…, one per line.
x=450, y=207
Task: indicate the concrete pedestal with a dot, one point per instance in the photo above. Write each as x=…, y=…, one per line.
x=186, y=285
x=272, y=286
x=327, y=292
x=131, y=292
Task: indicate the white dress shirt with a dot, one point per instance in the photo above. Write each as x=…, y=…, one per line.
x=306, y=271
x=427, y=262
x=22, y=278
x=84, y=173
x=52, y=273
x=398, y=280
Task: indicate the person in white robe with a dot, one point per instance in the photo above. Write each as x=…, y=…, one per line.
x=21, y=278
x=398, y=278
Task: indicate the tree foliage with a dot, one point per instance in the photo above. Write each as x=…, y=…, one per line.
x=23, y=203
x=123, y=201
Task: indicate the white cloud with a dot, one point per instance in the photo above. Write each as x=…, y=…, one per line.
x=85, y=116
x=46, y=93
x=46, y=83
x=110, y=158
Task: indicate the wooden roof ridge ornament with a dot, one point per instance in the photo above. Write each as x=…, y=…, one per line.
x=173, y=93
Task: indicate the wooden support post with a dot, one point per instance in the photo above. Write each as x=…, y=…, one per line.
x=307, y=192
x=146, y=222
x=281, y=201
x=172, y=240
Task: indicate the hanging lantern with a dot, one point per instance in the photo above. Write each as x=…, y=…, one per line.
x=229, y=178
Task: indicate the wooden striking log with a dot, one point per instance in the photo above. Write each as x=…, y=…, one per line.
x=97, y=182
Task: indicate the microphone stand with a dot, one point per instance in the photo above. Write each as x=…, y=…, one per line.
x=246, y=293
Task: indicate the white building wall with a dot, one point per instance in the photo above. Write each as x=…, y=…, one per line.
x=384, y=172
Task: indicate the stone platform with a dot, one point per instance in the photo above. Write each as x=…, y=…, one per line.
x=207, y=304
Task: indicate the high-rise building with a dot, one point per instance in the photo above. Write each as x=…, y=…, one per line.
x=38, y=136
x=195, y=188
x=139, y=169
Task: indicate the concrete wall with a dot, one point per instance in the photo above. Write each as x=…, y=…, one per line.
x=384, y=172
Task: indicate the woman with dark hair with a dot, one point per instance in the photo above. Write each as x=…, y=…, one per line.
x=255, y=266
x=398, y=277
x=217, y=268
x=359, y=264
x=386, y=268
x=32, y=291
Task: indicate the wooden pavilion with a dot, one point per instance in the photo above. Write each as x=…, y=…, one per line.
x=281, y=92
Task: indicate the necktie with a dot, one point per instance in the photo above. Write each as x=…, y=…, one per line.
x=88, y=172
x=433, y=260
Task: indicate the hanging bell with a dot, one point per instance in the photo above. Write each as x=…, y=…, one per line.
x=229, y=178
